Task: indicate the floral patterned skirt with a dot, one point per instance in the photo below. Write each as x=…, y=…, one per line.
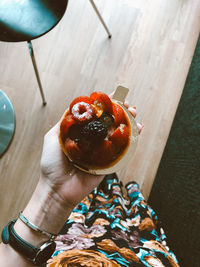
x=112, y=228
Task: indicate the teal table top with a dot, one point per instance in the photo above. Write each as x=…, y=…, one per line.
x=7, y=122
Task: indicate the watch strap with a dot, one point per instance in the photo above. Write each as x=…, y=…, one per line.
x=10, y=236
x=37, y=256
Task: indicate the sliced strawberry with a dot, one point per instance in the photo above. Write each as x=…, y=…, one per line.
x=102, y=101
x=74, y=151
x=66, y=123
x=120, y=136
x=84, y=99
x=104, y=154
x=119, y=115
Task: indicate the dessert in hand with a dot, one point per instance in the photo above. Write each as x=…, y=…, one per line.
x=94, y=131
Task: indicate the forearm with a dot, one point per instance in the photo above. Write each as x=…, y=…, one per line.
x=46, y=210
x=9, y=257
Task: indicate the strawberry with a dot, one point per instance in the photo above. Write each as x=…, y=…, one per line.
x=120, y=136
x=66, y=123
x=101, y=101
x=104, y=154
x=119, y=115
x=73, y=149
x=84, y=99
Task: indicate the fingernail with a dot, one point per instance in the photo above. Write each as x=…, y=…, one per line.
x=126, y=104
x=133, y=111
x=131, y=108
x=140, y=126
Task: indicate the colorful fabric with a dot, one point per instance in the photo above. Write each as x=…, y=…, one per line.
x=111, y=228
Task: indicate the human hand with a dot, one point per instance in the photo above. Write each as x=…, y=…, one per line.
x=60, y=188
x=70, y=183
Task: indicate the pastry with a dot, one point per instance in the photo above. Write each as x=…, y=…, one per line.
x=94, y=131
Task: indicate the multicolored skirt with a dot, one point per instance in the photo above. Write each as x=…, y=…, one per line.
x=113, y=228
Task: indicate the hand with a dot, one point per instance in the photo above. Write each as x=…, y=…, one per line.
x=70, y=183
x=61, y=187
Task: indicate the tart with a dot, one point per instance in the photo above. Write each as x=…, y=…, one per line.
x=94, y=132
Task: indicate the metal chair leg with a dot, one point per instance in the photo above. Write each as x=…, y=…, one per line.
x=31, y=52
x=101, y=19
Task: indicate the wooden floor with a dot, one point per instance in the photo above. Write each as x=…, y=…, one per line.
x=150, y=53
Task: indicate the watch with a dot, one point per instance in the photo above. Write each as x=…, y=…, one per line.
x=37, y=256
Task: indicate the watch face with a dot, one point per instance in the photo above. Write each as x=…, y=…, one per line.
x=45, y=252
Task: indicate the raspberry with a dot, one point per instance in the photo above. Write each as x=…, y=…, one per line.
x=79, y=99
x=94, y=131
x=82, y=112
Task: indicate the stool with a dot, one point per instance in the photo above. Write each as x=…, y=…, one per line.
x=101, y=19
x=25, y=20
x=7, y=122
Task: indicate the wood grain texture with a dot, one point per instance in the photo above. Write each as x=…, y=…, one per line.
x=150, y=52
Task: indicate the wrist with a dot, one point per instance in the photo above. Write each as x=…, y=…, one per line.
x=47, y=211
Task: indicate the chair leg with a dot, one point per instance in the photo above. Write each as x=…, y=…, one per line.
x=31, y=52
x=101, y=19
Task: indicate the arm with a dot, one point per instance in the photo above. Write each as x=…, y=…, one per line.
x=60, y=188
x=46, y=210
